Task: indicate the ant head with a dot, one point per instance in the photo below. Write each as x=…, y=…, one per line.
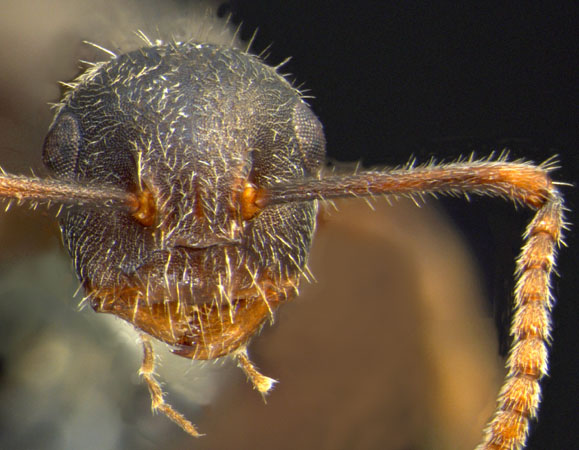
x=193, y=131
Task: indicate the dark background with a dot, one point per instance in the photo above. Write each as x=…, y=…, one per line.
x=395, y=79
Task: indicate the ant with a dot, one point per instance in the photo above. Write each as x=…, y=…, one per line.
x=188, y=179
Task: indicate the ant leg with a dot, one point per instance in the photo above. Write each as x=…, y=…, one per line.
x=260, y=382
x=147, y=371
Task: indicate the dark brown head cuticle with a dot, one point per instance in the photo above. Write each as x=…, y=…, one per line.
x=182, y=126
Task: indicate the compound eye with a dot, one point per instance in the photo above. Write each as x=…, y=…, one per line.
x=310, y=137
x=62, y=146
